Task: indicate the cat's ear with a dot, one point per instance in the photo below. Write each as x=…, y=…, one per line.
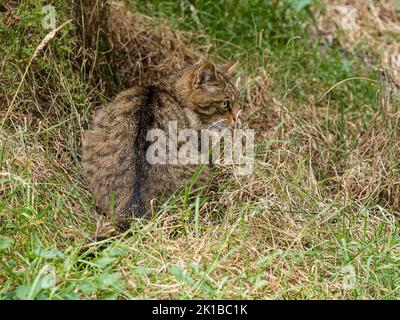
x=205, y=73
x=228, y=67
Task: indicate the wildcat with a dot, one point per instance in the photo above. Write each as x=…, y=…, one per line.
x=114, y=150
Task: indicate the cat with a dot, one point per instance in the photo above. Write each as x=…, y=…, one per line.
x=114, y=150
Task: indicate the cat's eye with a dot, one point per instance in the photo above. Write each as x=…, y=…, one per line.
x=226, y=105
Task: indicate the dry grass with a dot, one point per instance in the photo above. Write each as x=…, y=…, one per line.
x=136, y=48
x=144, y=47
x=376, y=23
x=363, y=20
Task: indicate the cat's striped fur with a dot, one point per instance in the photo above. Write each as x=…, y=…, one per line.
x=114, y=150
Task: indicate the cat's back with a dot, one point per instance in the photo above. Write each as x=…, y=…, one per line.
x=108, y=151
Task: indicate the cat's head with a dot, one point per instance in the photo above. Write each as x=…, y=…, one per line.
x=208, y=91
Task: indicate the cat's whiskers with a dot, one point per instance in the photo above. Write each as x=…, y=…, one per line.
x=217, y=124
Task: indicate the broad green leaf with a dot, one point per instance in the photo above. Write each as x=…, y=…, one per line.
x=5, y=242
x=299, y=5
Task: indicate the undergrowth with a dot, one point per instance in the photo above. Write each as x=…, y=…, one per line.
x=318, y=217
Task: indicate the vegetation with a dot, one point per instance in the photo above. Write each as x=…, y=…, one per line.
x=319, y=216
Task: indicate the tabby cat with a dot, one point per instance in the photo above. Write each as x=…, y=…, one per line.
x=114, y=150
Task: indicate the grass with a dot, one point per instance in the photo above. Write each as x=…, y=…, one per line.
x=318, y=218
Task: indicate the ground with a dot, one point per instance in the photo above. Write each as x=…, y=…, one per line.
x=317, y=219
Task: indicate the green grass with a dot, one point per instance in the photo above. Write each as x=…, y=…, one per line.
x=273, y=35
x=318, y=218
